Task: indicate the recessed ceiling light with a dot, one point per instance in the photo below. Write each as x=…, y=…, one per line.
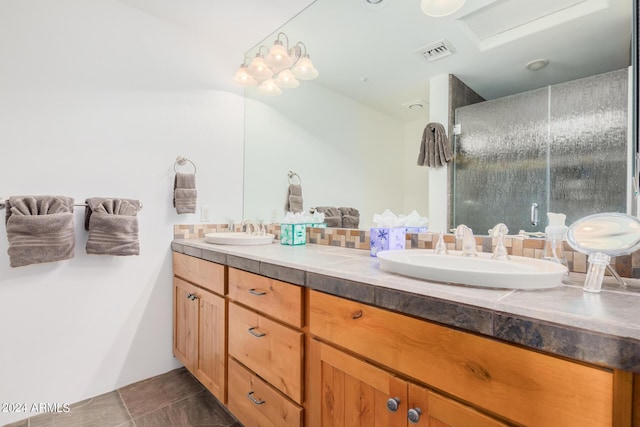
x=415, y=105
x=440, y=8
x=374, y=4
x=537, y=64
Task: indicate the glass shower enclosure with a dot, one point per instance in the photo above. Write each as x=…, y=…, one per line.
x=561, y=148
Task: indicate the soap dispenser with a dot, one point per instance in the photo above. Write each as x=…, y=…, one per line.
x=554, y=243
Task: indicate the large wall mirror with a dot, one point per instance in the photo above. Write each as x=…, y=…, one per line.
x=353, y=134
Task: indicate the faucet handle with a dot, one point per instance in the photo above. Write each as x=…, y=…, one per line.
x=441, y=247
x=500, y=252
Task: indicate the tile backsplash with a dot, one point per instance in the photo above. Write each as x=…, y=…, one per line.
x=626, y=266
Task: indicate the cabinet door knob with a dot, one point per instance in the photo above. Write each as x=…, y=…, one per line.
x=392, y=404
x=191, y=296
x=252, y=291
x=414, y=415
x=254, y=400
x=256, y=334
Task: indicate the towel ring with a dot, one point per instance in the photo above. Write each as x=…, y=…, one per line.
x=181, y=160
x=293, y=175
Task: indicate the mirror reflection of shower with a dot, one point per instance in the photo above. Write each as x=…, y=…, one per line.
x=561, y=148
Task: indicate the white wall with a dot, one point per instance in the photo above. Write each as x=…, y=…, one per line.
x=438, y=185
x=98, y=98
x=346, y=154
x=416, y=178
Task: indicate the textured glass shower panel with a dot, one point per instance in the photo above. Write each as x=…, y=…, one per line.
x=500, y=168
x=589, y=145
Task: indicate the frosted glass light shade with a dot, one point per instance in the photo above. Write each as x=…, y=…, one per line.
x=242, y=78
x=304, y=69
x=278, y=56
x=269, y=87
x=287, y=80
x=259, y=69
x=440, y=8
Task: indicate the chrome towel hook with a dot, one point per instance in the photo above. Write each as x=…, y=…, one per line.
x=181, y=160
x=292, y=175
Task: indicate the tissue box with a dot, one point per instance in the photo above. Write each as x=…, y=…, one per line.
x=417, y=229
x=293, y=234
x=317, y=224
x=387, y=238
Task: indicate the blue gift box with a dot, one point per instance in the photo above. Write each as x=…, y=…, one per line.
x=417, y=229
x=293, y=234
x=386, y=238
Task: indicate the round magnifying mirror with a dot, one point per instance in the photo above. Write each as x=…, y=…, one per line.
x=609, y=233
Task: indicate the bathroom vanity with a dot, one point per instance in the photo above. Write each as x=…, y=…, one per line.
x=319, y=336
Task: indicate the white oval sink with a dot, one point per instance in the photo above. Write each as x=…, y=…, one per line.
x=482, y=271
x=238, y=238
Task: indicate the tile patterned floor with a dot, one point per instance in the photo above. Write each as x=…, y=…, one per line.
x=174, y=399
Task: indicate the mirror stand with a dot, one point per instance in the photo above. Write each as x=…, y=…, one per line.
x=602, y=236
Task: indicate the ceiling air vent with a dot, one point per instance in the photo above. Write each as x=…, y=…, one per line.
x=436, y=50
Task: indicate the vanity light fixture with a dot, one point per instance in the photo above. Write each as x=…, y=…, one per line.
x=280, y=68
x=440, y=8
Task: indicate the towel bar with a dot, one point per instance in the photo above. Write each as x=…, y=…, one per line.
x=3, y=204
x=84, y=205
x=181, y=160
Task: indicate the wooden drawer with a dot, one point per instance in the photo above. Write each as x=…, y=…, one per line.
x=541, y=390
x=206, y=274
x=268, y=348
x=277, y=299
x=256, y=404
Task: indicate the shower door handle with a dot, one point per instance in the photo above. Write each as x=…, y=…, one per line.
x=534, y=214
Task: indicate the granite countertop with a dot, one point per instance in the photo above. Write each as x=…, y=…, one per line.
x=601, y=328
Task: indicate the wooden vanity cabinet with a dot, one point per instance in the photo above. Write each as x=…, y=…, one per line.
x=266, y=350
x=356, y=393
x=279, y=355
x=483, y=378
x=200, y=320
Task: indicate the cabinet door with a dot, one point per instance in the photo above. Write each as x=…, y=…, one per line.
x=355, y=393
x=211, y=344
x=429, y=409
x=185, y=323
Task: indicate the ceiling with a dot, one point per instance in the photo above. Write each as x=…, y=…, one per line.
x=369, y=53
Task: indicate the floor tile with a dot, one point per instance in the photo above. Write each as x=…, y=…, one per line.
x=154, y=393
x=106, y=410
x=23, y=423
x=199, y=410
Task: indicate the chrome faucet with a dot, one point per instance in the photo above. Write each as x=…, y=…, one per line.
x=246, y=223
x=468, y=241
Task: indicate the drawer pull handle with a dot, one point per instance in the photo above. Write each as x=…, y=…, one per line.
x=253, y=399
x=414, y=415
x=252, y=291
x=191, y=296
x=393, y=403
x=256, y=334
x=358, y=314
